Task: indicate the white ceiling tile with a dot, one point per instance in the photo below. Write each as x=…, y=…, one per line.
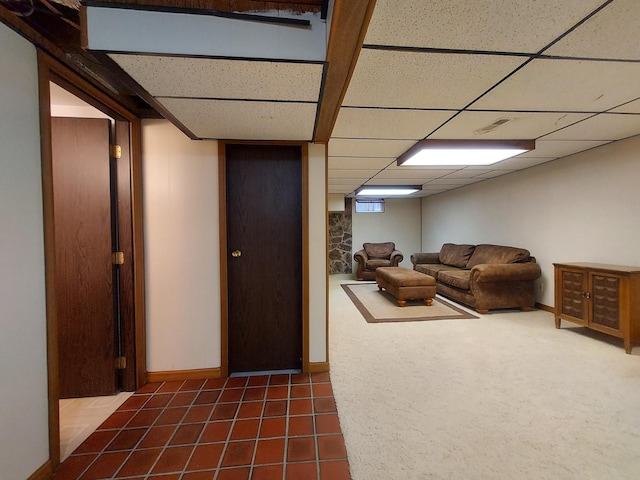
x=453, y=181
x=349, y=183
x=385, y=123
x=336, y=189
x=605, y=35
x=222, y=78
x=424, y=80
x=631, y=107
x=360, y=174
x=380, y=180
x=606, y=126
x=339, y=147
x=355, y=163
x=421, y=174
x=550, y=149
x=494, y=174
x=517, y=163
x=484, y=25
x=469, y=173
x=565, y=85
x=244, y=120
x=520, y=125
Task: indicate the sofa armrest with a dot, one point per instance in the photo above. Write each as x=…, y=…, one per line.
x=361, y=256
x=396, y=258
x=508, y=272
x=417, y=258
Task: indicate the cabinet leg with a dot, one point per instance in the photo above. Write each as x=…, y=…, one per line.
x=557, y=322
x=627, y=345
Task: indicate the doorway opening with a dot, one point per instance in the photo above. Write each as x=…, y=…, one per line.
x=70, y=256
x=92, y=285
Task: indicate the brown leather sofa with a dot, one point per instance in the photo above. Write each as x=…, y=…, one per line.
x=374, y=255
x=484, y=277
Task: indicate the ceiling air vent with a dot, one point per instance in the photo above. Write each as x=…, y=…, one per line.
x=494, y=125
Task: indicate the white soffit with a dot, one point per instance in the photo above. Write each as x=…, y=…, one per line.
x=565, y=85
x=239, y=120
x=480, y=25
x=368, y=148
x=388, y=123
x=505, y=125
x=223, y=78
x=606, y=126
x=424, y=80
x=145, y=31
x=355, y=163
x=605, y=35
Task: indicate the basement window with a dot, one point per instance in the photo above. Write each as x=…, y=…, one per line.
x=370, y=206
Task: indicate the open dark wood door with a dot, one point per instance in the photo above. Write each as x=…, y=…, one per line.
x=84, y=270
x=264, y=241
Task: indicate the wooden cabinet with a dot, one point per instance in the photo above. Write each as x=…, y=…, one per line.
x=601, y=297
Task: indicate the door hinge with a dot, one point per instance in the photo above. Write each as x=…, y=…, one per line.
x=117, y=258
x=121, y=363
x=116, y=151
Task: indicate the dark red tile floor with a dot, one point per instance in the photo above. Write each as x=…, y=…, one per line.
x=270, y=427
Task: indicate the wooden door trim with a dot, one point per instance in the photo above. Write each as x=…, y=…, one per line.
x=50, y=70
x=224, y=273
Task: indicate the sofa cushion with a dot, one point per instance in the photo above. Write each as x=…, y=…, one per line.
x=456, y=255
x=379, y=250
x=433, y=269
x=455, y=278
x=486, y=253
x=374, y=263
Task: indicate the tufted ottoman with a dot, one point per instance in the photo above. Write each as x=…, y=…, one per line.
x=404, y=283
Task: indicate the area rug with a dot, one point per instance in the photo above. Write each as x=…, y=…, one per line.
x=380, y=306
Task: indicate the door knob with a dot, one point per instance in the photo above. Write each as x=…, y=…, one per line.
x=236, y=253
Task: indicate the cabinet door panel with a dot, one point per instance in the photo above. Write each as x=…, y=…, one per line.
x=606, y=301
x=573, y=300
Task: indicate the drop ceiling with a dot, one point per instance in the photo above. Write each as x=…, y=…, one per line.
x=562, y=73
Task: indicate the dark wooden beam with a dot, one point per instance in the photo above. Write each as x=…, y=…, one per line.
x=350, y=20
x=76, y=59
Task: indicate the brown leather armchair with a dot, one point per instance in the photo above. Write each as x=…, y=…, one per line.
x=374, y=255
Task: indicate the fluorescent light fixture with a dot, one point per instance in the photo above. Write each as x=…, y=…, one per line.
x=387, y=190
x=463, y=152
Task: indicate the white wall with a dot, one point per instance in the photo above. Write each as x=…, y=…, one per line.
x=181, y=221
x=579, y=208
x=318, y=254
x=180, y=211
x=400, y=223
x=23, y=363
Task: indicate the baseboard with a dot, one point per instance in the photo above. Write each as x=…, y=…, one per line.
x=43, y=473
x=546, y=308
x=317, y=367
x=173, y=375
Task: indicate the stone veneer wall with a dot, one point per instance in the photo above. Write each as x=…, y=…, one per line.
x=340, y=240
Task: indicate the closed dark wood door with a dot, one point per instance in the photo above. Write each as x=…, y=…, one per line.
x=264, y=242
x=84, y=271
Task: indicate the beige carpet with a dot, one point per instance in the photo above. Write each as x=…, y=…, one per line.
x=506, y=396
x=380, y=306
